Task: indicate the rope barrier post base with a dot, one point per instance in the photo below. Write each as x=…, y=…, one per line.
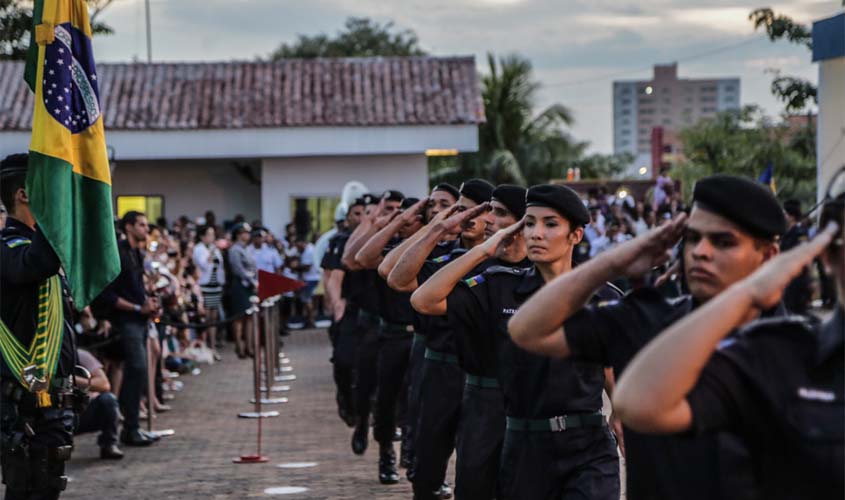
x=258, y=414
x=276, y=388
x=285, y=378
x=251, y=459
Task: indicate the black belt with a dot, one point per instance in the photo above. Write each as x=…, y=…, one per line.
x=396, y=327
x=556, y=424
x=363, y=313
x=483, y=382
x=61, y=392
x=443, y=357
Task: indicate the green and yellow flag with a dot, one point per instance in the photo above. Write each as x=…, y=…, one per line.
x=69, y=183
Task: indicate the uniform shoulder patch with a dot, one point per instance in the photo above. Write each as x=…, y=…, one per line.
x=475, y=280
x=442, y=259
x=16, y=241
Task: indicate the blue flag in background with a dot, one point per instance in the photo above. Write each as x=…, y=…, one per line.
x=768, y=177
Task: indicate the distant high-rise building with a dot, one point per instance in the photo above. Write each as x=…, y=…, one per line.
x=667, y=102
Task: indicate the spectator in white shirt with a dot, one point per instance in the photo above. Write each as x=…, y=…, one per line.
x=208, y=259
x=266, y=257
x=310, y=273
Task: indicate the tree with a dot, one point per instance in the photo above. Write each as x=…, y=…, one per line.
x=16, y=25
x=797, y=93
x=361, y=37
x=745, y=142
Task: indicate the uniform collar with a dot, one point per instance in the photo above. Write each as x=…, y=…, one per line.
x=531, y=282
x=832, y=336
x=14, y=226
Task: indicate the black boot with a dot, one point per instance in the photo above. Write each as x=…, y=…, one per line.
x=360, y=437
x=387, y=473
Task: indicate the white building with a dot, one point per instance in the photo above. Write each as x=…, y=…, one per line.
x=258, y=138
x=667, y=102
x=829, y=52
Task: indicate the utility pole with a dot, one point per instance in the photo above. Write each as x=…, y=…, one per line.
x=149, y=34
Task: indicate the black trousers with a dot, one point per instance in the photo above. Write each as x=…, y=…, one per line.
x=366, y=367
x=392, y=364
x=412, y=412
x=345, y=343
x=442, y=389
x=133, y=343
x=574, y=464
x=481, y=432
x=102, y=414
x=36, y=475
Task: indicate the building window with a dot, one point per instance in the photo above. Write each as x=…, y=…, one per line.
x=708, y=109
x=708, y=88
x=625, y=131
x=643, y=131
x=647, y=111
x=150, y=205
x=729, y=88
x=708, y=98
x=626, y=101
x=626, y=91
x=626, y=112
x=667, y=121
x=625, y=142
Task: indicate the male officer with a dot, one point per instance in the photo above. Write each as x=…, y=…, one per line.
x=732, y=230
x=482, y=420
x=779, y=383
x=340, y=294
x=395, y=333
x=379, y=211
x=796, y=297
x=441, y=200
x=442, y=379
x=36, y=393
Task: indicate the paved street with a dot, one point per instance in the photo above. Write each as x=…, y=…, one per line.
x=197, y=461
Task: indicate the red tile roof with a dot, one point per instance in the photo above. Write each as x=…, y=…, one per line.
x=289, y=93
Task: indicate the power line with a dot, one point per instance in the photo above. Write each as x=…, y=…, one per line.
x=627, y=72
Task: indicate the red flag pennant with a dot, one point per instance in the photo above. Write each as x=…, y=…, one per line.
x=272, y=284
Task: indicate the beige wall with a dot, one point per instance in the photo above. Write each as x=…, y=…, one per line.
x=287, y=178
x=190, y=187
x=831, y=131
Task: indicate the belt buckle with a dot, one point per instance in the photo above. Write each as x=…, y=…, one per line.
x=558, y=423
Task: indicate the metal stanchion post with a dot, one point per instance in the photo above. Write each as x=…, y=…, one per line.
x=256, y=369
x=269, y=335
x=282, y=371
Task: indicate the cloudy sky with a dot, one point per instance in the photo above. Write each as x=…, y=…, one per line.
x=578, y=47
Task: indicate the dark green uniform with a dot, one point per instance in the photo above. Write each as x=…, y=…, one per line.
x=36, y=441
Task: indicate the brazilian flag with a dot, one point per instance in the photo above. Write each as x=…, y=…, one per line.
x=69, y=182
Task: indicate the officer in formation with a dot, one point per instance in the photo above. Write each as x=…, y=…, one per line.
x=779, y=382
x=38, y=398
x=732, y=231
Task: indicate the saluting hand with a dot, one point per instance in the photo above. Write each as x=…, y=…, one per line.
x=384, y=220
x=415, y=211
x=766, y=285
x=460, y=221
x=638, y=256
x=502, y=239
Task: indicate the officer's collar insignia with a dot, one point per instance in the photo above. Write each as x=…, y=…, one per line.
x=811, y=394
x=441, y=259
x=605, y=303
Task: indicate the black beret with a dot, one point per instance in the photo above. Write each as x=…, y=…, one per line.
x=477, y=190
x=512, y=197
x=257, y=232
x=447, y=188
x=15, y=164
x=370, y=199
x=358, y=201
x=561, y=198
x=748, y=204
x=393, y=195
x=408, y=203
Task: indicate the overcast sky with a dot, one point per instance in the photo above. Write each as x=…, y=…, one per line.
x=578, y=47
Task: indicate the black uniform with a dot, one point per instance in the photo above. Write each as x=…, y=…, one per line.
x=780, y=383
x=396, y=334
x=797, y=295
x=481, y=430
x=557, y=443
x=659, y=467
x=441, y=390
x=35, y=441
x=415, y=365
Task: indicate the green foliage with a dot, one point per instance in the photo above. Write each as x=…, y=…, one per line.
x=16, y=25
x=361, y=37
x=797, y=93
x=744, y=142
x=599, y=166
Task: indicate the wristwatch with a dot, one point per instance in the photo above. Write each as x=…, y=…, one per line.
x=137, y=308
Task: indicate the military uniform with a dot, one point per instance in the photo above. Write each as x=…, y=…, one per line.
x=713, y=466
x=780, y=383
x=557, y=444
x=481, y=429
x=797, y=297
x=37, y=435
x=415, y=366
